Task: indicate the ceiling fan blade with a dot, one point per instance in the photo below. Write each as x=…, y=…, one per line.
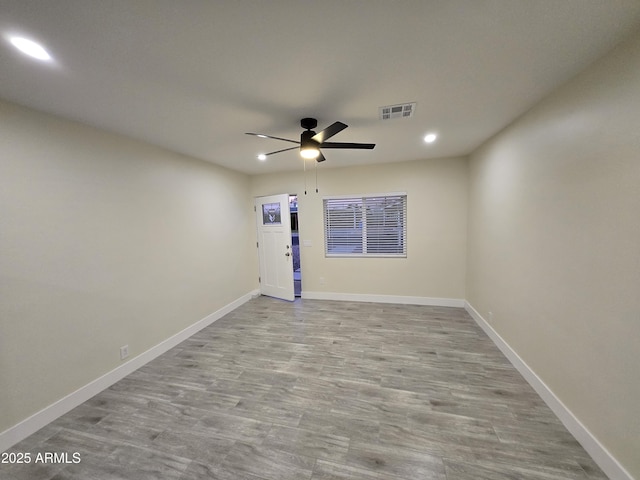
x=262, y=135
x=329, y=132
x=320, y=158
x=283, y=150
x=359, y=146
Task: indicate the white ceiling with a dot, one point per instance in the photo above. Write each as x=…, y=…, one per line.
x=193, y=76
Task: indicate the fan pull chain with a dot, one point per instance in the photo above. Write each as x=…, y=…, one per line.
x=304, y=168
x=316, y=176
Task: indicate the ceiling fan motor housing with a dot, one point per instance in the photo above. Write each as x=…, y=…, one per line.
x=309, y=148
x=306, y=141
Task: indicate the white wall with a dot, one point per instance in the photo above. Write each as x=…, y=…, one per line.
x=105, y=241
x=436, y=228
x=554, y=245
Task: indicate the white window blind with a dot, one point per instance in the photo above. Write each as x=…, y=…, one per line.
x=366, y=226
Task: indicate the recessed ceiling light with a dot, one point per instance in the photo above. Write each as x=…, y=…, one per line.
x=262, y=157
x=430, y=137
x=31, y=48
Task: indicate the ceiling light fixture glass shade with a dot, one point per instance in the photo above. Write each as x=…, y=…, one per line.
x=309, y=152
x=309, y=148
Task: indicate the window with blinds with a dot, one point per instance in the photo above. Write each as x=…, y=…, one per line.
x=366, y=226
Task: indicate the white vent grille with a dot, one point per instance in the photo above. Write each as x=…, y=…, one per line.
x=404, y=110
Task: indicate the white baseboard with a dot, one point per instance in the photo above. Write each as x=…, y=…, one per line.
x=403, y=300
x=607, y=462
x=35, y=422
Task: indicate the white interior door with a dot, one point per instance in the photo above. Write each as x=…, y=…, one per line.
x=274, y=246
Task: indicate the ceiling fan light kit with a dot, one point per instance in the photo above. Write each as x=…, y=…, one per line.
x=311, y=143
x=309, y=147
x=309, y=151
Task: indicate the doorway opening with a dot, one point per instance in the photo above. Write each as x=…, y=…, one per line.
x=295, y=246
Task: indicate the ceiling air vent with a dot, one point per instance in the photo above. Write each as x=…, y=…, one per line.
x=403, y=110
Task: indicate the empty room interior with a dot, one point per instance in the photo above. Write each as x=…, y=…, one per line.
x=475, y=315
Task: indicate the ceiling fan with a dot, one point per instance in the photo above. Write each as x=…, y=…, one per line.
x=311, y=142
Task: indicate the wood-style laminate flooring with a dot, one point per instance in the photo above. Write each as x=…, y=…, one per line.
x=317, y=390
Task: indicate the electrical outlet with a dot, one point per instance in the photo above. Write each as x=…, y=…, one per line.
x=124, y=352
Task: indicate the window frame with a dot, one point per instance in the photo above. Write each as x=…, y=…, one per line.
x=364, y=230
